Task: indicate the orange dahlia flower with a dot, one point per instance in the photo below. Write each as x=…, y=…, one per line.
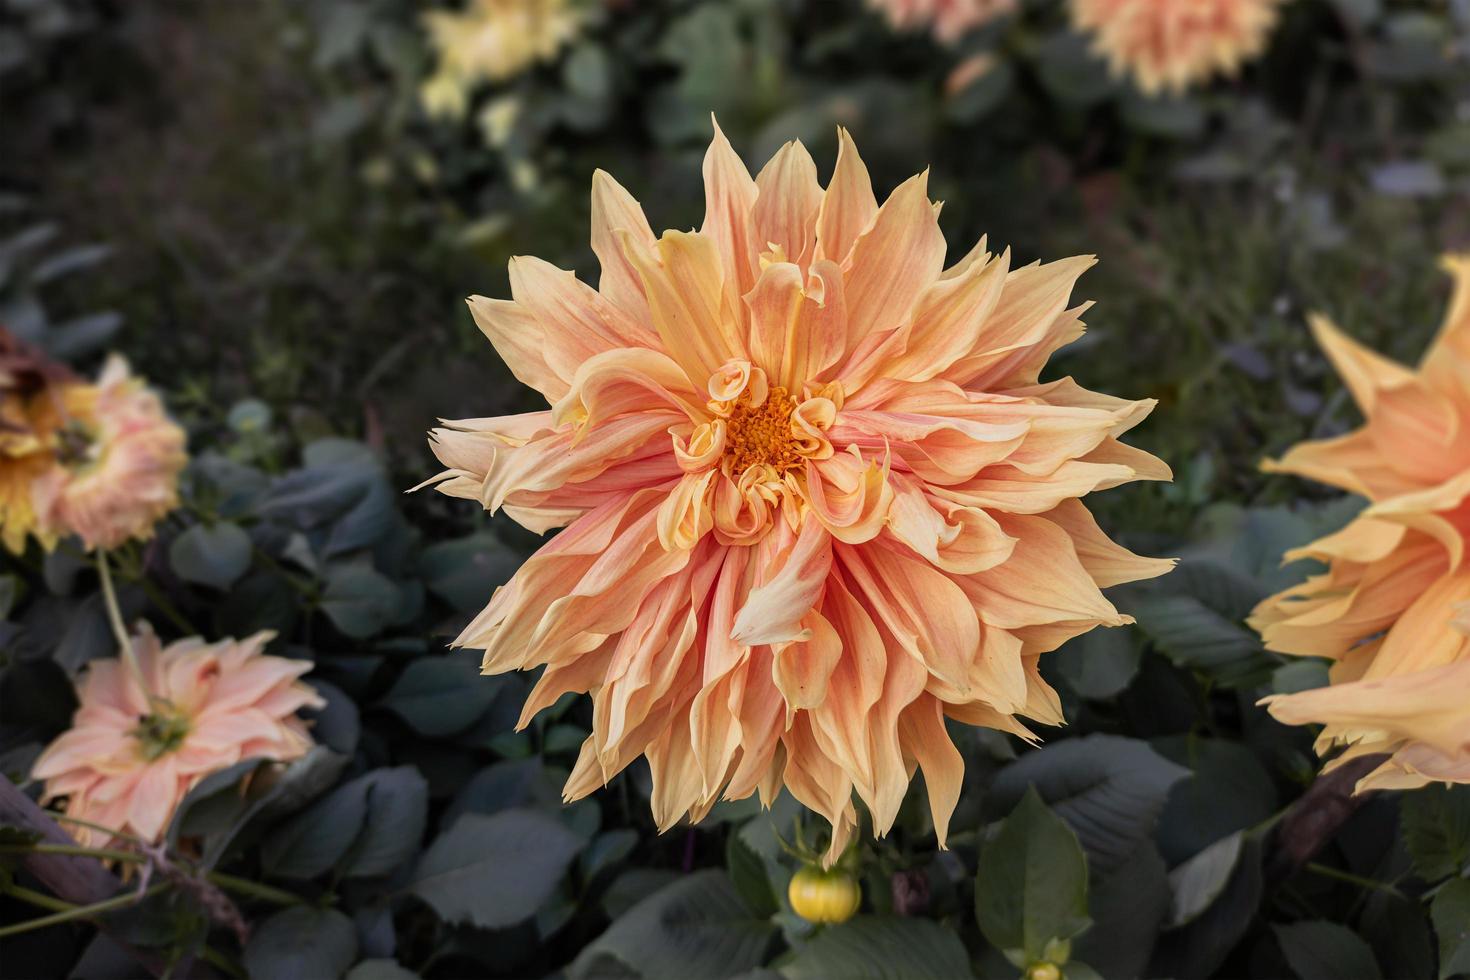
x=949, y=20
x=118, y=461
x=1390, y=609
x=1169, y=45
x=132, y=755
x=815, y=498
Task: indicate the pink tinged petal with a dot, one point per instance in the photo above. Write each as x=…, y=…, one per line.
x=788, y=199
x=686, y=289
x=922, y=608
x=893, y=261
x=614, y=210
x=922, y=732
x=957, y=539
x=253, y=679
x=677, y=782
x=774, y=612
x=1446, y=363
x=606, y=599
x=729, y=200
x=759, y=705
x=577, y=674
x=848, y=206
x=798, y=327
x=623, y=381
x=154, y=798
x=1043, y=581
x=948, y=322
x=804, y=668
x=1030, y=321
x=521, y=343
x=556, y=460
x=576, y=319
x=220, y=731
x=1107, y=562
x=80, y=748
x=850, y=496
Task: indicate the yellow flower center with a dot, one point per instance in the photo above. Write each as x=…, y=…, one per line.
x=160, y=733
x=760, y=435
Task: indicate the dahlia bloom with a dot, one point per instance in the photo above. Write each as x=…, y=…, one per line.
x=129, y=759
x=1390, y=611
x=815, y=498
x=1169, y=45
x=36, y=399
x=492, y=40
x=949, y=20
x=118, y=462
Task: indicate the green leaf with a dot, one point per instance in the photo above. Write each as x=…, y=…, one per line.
x=696, y=926
x=397, y=809
x=1202, y=945
x=1436, y=829
x=1031, y=886
x=1451, y=915
x=748, y=873
x=494, y=871
x=380, y=970
x=1320, y=950
x=880, y=948
x=302, y=943
x=1198, y=882
x=1229, y=790
x=439, y=696
x=314, y=840
x=1101, y=663
x=1109, y=789
x=1128, y=907
x=359, y=600
x=465, y=572
x=1398, y=930
x=213, y=555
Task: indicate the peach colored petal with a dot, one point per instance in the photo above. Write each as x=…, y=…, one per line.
x=848, y=206
x=614, y=210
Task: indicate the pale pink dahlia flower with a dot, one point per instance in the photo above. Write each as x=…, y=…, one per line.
x=129, y=759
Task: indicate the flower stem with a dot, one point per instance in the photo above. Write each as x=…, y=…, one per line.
x=254, y=889
x=1327, y=871
x=73, y=850
x=82, y=911
x=119, y=631
x=63, y=818
x=39, y=899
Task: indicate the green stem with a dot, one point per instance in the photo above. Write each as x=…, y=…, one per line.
x=82, y=911
x=39, y=899
x=221, y=962
x=73, y=850
x=1330, y=872
x=119, y=631
x=63, y=818
x=254, y=889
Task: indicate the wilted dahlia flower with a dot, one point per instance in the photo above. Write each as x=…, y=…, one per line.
x=1169, y=45
x=118, y=459
x=815, y=498
x=37, y=396
x=949, y=20
x=129, y=758
x=492, y=40
x=1390, y=609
